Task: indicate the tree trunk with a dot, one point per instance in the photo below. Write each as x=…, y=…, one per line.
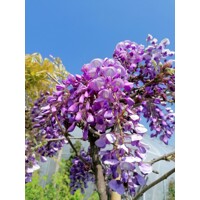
x=98, y=170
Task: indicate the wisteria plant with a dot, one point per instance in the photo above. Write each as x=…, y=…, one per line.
x=107, y=101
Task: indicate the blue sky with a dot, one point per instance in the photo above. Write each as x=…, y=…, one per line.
x=78, y=31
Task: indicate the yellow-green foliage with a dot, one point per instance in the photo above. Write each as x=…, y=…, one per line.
x=94, y=196
x=36, y=75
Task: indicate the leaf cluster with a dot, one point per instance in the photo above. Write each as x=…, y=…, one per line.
x=37, y=79
x=57, y=189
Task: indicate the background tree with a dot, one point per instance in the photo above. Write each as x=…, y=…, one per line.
x=57, y=189
x=107, y=102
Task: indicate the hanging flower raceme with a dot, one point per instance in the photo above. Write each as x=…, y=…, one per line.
x=81, y=173
x=110, y=97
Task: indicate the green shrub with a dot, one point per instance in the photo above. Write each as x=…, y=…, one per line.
x=171, y=190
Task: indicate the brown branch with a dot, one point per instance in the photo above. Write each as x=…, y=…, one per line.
x=98, y=169
x=143, y=87
x=76, y=138
x=166, y=157
x=55, y=139
x=70, y=143
x=165, y=176
x=94, y=132
x=81, y=126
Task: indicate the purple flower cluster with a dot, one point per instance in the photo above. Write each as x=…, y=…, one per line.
x=150, y=70
x=110, y=97
x=124, y=157
x=95, y=96
x=80, y=173
x=31, y=164
x=47, y=121
x=143, y=64
x=162, y=122
x=46, y=138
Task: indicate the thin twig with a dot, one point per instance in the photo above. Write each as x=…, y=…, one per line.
x=94, y=132
x=76, y=138
x=69, y=141
x=81, y=126
x=164, y=157
x=55, y=139
x=165, y=176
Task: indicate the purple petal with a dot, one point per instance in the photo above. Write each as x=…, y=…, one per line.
x=128, y=86
x=144, y=145
x=72, y=127
x=111, y=137
x=85, y=133
x=109, y=71
x=90, y=118
x=128, y=125
x=126, y=166
x=78, y=77
x=51, y=99
x=60, y=87
x=53, y=109
x=97, y=62
x=117, y=186
x=78, y=116
x=30, y=170
x=129, y=101
x=36, y=125
x=60, y=98
x=97, y=83
x=165, y=41
x=157, y=101
x=87, y=106
x=149, y=37
x=136, y=137
x=43, y=159
x=134, y=117
x=131, y=159
x=123, y=146
x=71, y=79
x=100, y=142
x=63, y=110
x=81, y=99
x=111, y=162
x=140, y=180
x=46, y=107
x=86, y=94
x=118, y=83
x=92, y=73
x=73, y=107
x=108, y=114
x=106, y=94
x=164, y=138
x=145, y=168
x=140, y=129
x=100, y=127
x=125, y=176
